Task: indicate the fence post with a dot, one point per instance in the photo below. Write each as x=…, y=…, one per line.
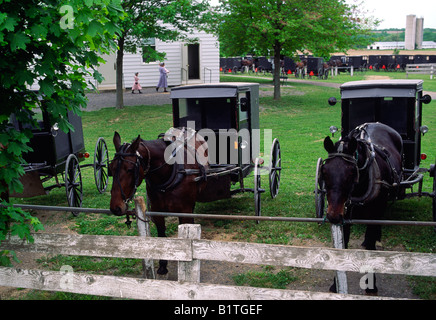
x=189, y=271
x=143, y=223
x=338, y=243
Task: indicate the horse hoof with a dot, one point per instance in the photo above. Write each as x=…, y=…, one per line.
x=162, y=271
x=371, y=292
x=332, y=288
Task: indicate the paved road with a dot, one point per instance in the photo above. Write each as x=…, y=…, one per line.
x=107, y=99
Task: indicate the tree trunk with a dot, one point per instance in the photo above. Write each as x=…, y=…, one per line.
x=119, y=73
x=277, y=68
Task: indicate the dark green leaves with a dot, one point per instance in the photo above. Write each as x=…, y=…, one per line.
x=55, y=49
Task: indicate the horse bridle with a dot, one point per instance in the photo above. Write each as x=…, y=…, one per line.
x=120, y=156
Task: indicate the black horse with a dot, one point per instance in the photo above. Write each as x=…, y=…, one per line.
x=361, y=174
x=172, y=185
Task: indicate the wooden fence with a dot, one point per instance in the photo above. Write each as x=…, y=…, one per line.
x=189, y=250
x=429, y=68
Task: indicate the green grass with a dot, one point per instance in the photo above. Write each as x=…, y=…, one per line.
x=300, y=122
x=268, y=278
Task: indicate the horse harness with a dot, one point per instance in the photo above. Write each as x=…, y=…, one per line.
x=371, y=164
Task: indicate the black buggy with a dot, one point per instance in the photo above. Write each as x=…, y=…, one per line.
x=58, y=153
x=227, y=116
x=398, y=104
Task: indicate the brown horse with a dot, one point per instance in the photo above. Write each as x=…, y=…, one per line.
x=171, y=185
x=361, y=173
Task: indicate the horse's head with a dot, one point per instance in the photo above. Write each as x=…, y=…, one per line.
x=128, y=169
x=340, y=174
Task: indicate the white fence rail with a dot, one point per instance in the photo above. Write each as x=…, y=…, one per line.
x=429, y=68
x=189, y=250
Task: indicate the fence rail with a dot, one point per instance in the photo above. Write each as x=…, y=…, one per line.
x=429, y=68
x=189, y=253
x=235, y=217
x=189, y=250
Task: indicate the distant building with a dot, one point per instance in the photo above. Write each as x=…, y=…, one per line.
x=387, y=45
x=399, y=45
x=188, y=63
x=414, y=32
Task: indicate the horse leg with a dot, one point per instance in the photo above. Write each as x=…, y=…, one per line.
x=186, y=220
x=372, y=235
x=160, y=226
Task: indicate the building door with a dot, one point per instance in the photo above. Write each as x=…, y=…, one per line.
x=108, y=71
x=194, y=61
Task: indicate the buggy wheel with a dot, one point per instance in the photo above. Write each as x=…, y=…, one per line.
x=101, y=165
x=433, y=174
x=73, y=183
x=275, y=168
x=257, y=189
x=319, y=191
x=434, y=200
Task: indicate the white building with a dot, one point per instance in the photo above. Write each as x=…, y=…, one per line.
x=399, y=45
x=188, y=63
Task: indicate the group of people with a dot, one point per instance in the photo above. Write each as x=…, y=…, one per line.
x=163, y=83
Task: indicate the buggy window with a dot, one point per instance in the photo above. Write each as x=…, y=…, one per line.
x=207, y=113
x=37, y=116
x=397, y=113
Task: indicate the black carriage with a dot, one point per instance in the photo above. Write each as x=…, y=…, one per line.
x=58, y=153
x=358, y=62
x=398, y=104
x=229, y=65
x=423, y=59
x=227, y=116
x=317, y=68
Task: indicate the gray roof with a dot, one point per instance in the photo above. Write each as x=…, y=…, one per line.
x=381, y=88
x=210, y=90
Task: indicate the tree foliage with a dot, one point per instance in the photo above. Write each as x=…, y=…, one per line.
x=54, y=44
x=287, y=27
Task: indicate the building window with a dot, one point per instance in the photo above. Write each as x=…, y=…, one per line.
x=149, y=53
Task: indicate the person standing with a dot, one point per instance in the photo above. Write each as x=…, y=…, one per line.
x=163, y=83
x=136, y=85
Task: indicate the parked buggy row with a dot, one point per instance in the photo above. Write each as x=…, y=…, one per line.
x=309, y=66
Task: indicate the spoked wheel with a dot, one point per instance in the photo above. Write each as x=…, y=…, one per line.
x=433, y=174
x=101, y=165
x=275, y=168
x=73, y=183
x=257, y=188
x=319, y=191
x=434, y=200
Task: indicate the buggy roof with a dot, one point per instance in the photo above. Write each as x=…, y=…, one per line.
x=211, y=90
x=381, y=88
